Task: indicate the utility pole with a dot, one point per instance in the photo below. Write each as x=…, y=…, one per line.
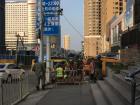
x=17, y=48
x=19, y=43
x=41, y=31
x=48, y=54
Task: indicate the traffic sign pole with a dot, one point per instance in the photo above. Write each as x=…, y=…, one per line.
x=41, y=33
x=48, y=52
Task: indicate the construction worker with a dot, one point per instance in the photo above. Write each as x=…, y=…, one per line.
x=59, y=73
x=65, y=74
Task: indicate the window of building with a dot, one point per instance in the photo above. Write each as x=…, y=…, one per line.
x=96, y=52
x=116, y=3
x=121, y=3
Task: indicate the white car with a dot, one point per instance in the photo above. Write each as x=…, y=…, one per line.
x=10, y=71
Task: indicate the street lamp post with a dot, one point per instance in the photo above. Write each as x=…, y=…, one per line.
x=21, y=39
x=17, y=49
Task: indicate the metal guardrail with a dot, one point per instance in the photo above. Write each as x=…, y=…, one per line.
x=134, y=85
x=15, y=90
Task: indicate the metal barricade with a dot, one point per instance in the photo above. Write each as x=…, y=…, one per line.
x=1, y=90
x=71, y=77
x=13, y=91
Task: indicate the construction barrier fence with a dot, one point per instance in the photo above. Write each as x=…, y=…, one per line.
x=71, y=77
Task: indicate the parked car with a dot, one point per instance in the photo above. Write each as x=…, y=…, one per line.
x=9, y=71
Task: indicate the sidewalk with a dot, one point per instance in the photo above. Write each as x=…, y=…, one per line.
x=34, y=97
x=62, y=95
x=68, y=95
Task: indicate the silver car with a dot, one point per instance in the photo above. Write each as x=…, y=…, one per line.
x=9, y=71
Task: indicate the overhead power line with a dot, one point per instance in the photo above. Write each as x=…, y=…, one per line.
x=67, y=20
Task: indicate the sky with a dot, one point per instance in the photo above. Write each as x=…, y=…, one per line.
x=73, y=11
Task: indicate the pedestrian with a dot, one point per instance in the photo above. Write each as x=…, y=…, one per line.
x=52, y=75
x=87, y=68
x=93, y=70
x=99, y=68
x=80, y=70
x=40, y=71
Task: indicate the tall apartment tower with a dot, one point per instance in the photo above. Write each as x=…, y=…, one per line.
x=20, y=20
x=110, y=10
x=92, y=27
x=98, y=14
x=2, y=24
x=66, y=43
x=119, y=6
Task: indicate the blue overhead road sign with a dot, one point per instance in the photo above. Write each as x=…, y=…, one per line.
x=51, y=17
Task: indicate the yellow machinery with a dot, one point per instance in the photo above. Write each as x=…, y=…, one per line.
x=105, y=60
x=7, y=61
x=56, y=61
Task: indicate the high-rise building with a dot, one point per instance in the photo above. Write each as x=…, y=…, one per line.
x=2, y=24
x=20, y=21
x=109, y=10
x=119, y=6
x=92, y=27
x=66, y=42
x=97, y=16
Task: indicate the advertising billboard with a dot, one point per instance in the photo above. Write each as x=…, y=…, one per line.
x=51, y=17
x=129, y=15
